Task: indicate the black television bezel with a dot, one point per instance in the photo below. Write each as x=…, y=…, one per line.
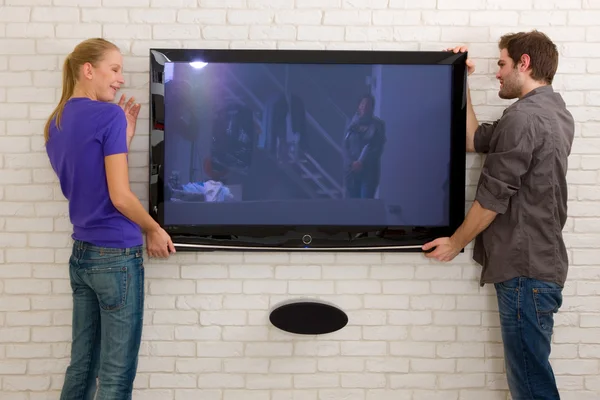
x=305, y=238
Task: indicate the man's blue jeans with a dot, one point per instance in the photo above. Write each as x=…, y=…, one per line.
x=361, y=186
x=527, y=308
x=108, y=308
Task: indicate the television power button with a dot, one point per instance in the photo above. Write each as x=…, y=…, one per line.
x=306, y=239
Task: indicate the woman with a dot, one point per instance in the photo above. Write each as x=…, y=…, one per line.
x=87, y=140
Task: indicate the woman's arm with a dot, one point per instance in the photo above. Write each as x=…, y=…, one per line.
x=117, y=175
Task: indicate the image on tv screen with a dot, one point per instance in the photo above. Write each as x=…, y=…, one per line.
x=306, y=144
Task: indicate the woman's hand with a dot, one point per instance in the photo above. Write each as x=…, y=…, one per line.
x=159, y=244
x=132, y=111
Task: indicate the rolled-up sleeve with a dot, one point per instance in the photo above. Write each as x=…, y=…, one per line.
x=505, y=166
x=483, y=135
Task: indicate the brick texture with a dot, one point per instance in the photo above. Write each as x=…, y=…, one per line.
x=417, y=330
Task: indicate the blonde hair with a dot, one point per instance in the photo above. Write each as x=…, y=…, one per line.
x=89, y=51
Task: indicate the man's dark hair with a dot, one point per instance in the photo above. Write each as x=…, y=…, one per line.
x=541, y=50
x=369, y=97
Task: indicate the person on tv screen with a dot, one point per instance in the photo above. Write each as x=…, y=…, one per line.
x=87, y=140
x=363, y=146
x=520, y=208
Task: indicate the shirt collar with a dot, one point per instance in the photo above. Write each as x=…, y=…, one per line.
x=541, y=89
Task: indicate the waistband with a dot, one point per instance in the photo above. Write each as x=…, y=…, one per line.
x=80, y=245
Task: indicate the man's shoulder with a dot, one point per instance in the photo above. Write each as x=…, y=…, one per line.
x=525, y=108
x=514, y=116
x=539, y=111
x=378, y=121
x=540, y=103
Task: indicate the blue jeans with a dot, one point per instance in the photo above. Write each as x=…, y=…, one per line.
x=108, y=309
x=359, y=186
x=527, y=308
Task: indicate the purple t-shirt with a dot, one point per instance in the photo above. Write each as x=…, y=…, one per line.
x=90, y=131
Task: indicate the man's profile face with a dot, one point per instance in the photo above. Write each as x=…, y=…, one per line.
x=511, y=80
x=364, y=108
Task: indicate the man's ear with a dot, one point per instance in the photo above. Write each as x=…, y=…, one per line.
x=524, y=63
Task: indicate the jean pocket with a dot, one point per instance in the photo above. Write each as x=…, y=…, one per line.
x=547, y=301
x=511, y=284
x=508, y=304
x=109, y=282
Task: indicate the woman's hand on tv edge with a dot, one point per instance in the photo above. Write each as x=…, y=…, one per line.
x=158, y=243
x=463, y=49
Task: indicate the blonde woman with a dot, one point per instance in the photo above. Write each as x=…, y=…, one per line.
x=87, y=141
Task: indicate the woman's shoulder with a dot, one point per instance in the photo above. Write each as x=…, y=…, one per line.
x=102, y=117
x=109, y=111
x=93, y=109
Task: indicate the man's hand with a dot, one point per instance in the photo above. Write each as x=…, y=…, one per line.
x=131, y=113
x=463, y=49
x=159, y=244
x=445, y=249
x=476, y=221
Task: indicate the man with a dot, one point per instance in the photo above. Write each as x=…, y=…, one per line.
x=363, y=147
x=520, y=207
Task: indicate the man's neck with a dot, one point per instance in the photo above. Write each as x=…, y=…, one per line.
x=531, y=85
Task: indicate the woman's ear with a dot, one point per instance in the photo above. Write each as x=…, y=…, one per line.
x=87, y=70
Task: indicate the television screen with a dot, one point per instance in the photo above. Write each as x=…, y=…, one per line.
x=268, y=144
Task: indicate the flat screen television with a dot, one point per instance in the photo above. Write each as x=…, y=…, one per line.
x=307, y=150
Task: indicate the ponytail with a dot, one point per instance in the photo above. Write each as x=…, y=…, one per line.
x=88, y=51
x=67, y=91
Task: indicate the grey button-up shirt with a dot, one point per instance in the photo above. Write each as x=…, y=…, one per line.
x=523, y=179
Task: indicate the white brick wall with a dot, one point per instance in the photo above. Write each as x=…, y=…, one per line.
x=417, y=330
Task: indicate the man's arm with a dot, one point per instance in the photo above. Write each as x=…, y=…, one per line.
x=478, y=135
x=472, y=123
x=484, y=134
x=374, y=148
x=477, y=219
x=501, y=178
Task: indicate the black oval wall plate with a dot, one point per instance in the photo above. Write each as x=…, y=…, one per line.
x=308, y=317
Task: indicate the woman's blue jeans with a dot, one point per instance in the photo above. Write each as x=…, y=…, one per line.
x=108, y=309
